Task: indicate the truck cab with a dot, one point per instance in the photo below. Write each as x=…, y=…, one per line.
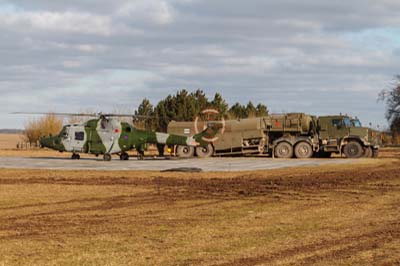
x=343, y=134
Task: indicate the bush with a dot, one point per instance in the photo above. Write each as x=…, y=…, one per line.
x=43, y=126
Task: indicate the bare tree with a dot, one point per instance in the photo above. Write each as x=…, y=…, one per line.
x=392, y=98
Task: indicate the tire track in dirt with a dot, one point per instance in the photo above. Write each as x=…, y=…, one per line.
x=340, y=248
x=163, y=190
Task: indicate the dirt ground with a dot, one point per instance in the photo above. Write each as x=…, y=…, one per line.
x=329, y=215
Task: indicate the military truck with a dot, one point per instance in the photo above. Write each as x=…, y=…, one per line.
x=284, y=136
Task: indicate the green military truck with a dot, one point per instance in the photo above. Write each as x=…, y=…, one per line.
x=284, y=136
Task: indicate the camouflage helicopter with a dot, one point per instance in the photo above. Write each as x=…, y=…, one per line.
x=105, y=135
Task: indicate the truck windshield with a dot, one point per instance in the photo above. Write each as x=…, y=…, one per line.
x=356, y=123
x=347, y=122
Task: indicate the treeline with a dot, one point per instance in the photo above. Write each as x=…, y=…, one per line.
x=185, y=106
x=11, y=131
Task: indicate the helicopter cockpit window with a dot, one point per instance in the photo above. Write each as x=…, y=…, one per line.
x=65, y=134
x=104, y=123
x=79, y=135
x=128, y=129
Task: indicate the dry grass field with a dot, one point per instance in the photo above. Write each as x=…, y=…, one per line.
x=306, y=216
x=9, y=141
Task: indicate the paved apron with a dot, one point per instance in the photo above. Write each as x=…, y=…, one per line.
x=159, y=164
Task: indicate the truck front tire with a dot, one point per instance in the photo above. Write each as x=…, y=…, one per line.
x=185, y=151
x=284, y=150
x=353, y=149
x=303, y=150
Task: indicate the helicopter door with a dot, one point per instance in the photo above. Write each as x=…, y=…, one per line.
x=76, y=139
x=109, y=131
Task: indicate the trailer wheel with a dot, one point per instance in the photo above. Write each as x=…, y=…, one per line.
x=185, y=151
x=303, y=150
x=205, y=152
x=284, y=150
x=368, y=152
x=353, y=149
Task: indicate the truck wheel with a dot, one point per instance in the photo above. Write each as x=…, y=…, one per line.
x=303, y=150
x=205, y=152
x=284, y=150
x=353, y=149
x=185, y=151
x=107, y=157
x=375, y=153
x=368, y=152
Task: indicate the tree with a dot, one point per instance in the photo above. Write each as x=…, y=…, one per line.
x=262, y=110
x=237, y=111
x=146, y=109
x=251, y=110
x=392, y=99
x=220, y=104
x=161, y=116
x=43, y=126
x=201, y=101
x=185, y=106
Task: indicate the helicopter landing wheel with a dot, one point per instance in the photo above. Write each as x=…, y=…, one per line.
x=107, y=157
x=124, y=156
x=140, y=156
x=75, y=156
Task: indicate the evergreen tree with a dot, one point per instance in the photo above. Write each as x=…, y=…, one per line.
x=262, y=110
x=237, y=111
x=185, y=106
x=220, y=104
x=200, y=100
x=146, y=109
x=251, y=110
x=161, y=116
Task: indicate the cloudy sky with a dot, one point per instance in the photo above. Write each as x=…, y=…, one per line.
x=319, y=57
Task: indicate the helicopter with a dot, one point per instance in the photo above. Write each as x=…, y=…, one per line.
x=105, y=135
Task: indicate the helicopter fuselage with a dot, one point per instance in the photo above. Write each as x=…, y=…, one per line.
x=109, y=136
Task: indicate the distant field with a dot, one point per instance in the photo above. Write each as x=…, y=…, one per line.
x=9, y=141
x=348, y=215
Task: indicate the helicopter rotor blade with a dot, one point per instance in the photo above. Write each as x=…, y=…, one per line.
x=56, y=114
x=83, y=114
x=126, y=115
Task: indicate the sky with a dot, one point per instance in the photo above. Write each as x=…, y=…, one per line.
x=312, y=56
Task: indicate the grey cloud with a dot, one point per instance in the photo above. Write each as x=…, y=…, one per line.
x=292, y=55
